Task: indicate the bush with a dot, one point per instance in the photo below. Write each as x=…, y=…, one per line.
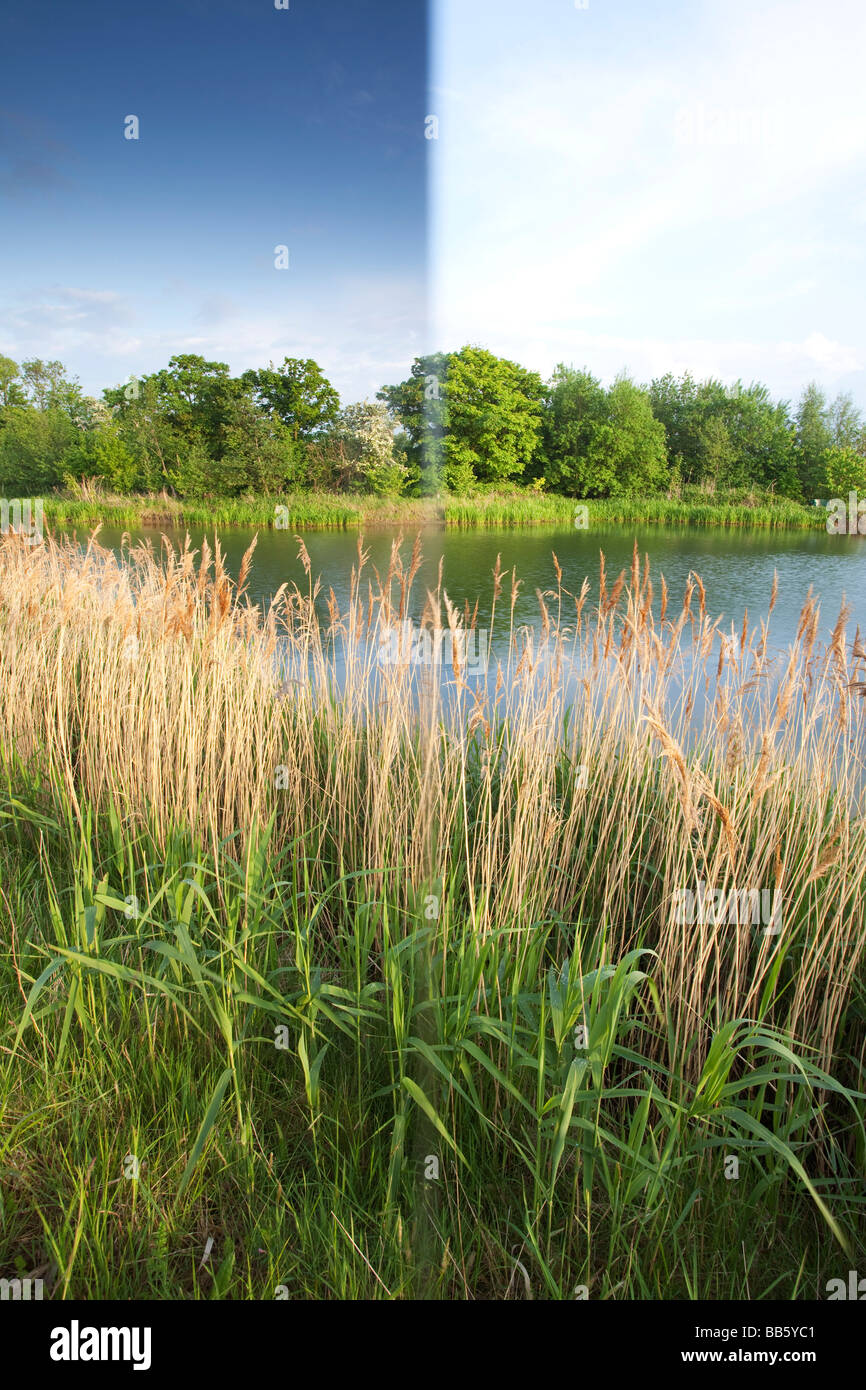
x=33, y=445
x=846, y=470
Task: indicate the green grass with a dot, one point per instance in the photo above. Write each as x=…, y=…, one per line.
x=154, y=1037
x=694, y=508
x=489, y=510
x=305, y=511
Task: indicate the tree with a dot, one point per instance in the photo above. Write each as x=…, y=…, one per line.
x=763, y=440
x=846, y=424
x=637, y=438
x=730, y=436
x=259, y=451
x=367, y=435
x=716, y=452
x=33, y=446
x=420, y=406
x=846, y=471
x=813, y=438
x=470, y=417
x=494, y=418
x=11, y=390
x=46, y=387
x=146, y=431
x=601, y=443
x=575, y=419
x=101, y=452
x=298, y=393
x=683, y=406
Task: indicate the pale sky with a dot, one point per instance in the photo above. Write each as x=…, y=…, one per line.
x=628, y=185
x=653, y=186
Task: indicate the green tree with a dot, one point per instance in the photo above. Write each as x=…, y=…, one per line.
x=494, y=418
x=716, y=452
x=102, y=453
x=846, y=471
x=683, y=406
x=420, y=406
x=575, y=419
x=11, y=389
x=846, y=424
x=601, y=443
x=260, y=451
x=146, y=431
x=813, y=438
x=470, y=418
x=763, y=439
x=33, y=446
x=47, y=387
x=637, y=439
x=298, y=393
x=196, y=399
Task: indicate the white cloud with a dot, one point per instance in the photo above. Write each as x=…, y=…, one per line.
x=363, y=334
x=565, y=204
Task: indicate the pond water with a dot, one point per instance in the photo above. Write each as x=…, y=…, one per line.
x=736, y=568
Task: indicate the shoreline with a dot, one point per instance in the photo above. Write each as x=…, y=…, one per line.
x=500, y=511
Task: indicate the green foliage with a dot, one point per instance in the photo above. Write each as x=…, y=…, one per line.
x=192, y=473
x=103, y=453
x=33, y=446
x=813, y=438
x=366, y=435
x=602, y=443
x=460, y=424
x=298, y=393
x=11, y=388
x=153, y=1036
x=493, y=414
x=846, y=423
x=419, y=404
x=845, y=470
x=470, y=418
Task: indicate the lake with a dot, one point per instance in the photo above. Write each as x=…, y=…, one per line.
x=735, y=566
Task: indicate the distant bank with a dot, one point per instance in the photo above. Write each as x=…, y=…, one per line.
x=489, y=510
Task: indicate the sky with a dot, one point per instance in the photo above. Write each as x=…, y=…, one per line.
x=258, y=128
x=617, y=185
x=654, y=187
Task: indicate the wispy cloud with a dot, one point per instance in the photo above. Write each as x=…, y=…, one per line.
x=673, y=191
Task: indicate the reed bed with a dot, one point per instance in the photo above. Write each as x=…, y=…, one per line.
x=741, y=509
x=312, y=511
x=309, y=511
x=455, y=897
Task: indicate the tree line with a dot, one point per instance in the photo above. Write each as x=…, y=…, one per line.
x=461, y=422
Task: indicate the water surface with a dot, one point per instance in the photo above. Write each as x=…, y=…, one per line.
x=736, y=567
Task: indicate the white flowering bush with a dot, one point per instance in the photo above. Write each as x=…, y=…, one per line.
x=367, y=435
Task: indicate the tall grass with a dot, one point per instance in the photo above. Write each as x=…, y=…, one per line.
x=315, y=938
x=487, y=510
x=694, y=507
x=299, y=511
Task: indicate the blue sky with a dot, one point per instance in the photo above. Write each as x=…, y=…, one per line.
x=258, y=128
x=627, y=185
x=654, y=186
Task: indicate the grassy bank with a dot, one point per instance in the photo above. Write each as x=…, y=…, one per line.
x=379, y=982
x=321, y=511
